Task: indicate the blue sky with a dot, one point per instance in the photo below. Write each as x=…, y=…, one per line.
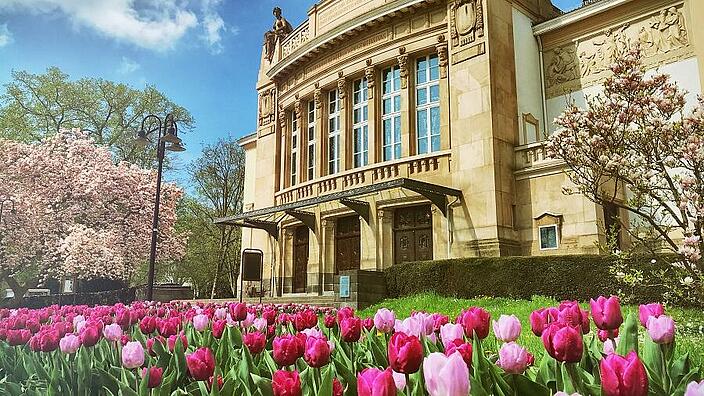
x=204, y=54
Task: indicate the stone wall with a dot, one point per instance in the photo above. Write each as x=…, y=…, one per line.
x=366, y=288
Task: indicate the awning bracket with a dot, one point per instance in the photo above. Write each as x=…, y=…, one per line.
x=360, y=207
x=307, y=218
x=270, y=227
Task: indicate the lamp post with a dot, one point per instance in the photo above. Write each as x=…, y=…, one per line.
x=167, y=132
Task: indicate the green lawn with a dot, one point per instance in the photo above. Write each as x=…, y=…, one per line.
x=690, y=322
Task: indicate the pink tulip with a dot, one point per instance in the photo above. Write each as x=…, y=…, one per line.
x=375, y=382
x=606, y=313
x=200, y=322
x=69, y=344
x=112, y=332
x=513, y=358
x=563, y=342
x=661, y=329
x=317, y=352
x=384, y=320
x=286, y=383
x=450, y=332
x=446, y=376
x=623, y=376
x=507, y=328
x=645, y=311
x=695, y=389
x=541, y=318
x=133, y=355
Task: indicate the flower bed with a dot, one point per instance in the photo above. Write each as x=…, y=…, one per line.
x=178, y=349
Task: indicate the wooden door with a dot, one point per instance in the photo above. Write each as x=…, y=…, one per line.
x=347, y=244
x=413, y=234
x=300, y=259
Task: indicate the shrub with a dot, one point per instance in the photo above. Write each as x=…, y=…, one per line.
x=561, y=277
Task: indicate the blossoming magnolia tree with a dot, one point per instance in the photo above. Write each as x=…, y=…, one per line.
x=638, y=147
x=77, y=213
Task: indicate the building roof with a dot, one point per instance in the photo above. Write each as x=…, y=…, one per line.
x=588, y=9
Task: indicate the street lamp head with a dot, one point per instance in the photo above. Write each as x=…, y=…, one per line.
x=141, y=140
x=175, y=146
x=171, y=135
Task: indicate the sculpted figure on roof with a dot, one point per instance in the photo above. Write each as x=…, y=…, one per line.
x=279, y=31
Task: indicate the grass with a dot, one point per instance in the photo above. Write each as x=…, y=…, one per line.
x=690, y=322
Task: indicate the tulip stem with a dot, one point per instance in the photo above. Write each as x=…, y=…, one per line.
x=574, y=377
x=408, y=384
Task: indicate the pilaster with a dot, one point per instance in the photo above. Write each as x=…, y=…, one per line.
x=406, y=120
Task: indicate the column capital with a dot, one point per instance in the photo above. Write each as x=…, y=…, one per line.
x=369, y=75
x=317, y=96
x=402, y=59
x=441, y=47
x=341, y=88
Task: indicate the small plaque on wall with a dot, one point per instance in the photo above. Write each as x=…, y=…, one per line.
x=345, y=286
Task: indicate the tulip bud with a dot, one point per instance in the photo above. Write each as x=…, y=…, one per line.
x=155, y=375
x=112, y=332
x=286, y=383
x=147, y=325
x=446, y=376
x=623, y=376
x=606, y=313
x=507, y=328
x=337, y=388
x=329, y=321
x=541, y=318
x=661, y=329
x=90, y=335
x=384, y=320
x=351, y=328
x=133, y=355
x=287, y=349
x=563, y=342
x=255, y=342
x=405, y=353
x=218, y=328
x=200, y=322
x=375, y=382
x=645, y=311
x=69, y=344
x=695, y=389
x=450, y=332
x=201, y=364
x=317, y=352
x=475, y=320
x=238, y=311
x=513, y=358
x=464, y=348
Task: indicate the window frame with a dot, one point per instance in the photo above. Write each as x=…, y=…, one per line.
x=557, y=237
x=294, y=149
x=311, y=139
x=394, y=92
x=334, y=134
x=360, y=158
x=429, y=104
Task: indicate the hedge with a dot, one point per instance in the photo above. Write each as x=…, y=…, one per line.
x=576, y=277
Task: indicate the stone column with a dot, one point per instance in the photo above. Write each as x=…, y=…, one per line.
x=385, y=232
x=327, y=228
x=345, y=130
x=406, y=116
x=368, y=240
x=374, y=151
x=287, y=260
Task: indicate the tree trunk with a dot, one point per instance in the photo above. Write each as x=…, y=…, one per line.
x=221, y=262
x=17, y=289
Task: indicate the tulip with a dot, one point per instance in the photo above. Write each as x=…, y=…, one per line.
x=464, y=348
x=351, y=329
x=405, y=353
x=255, y=342
x=645, y=311
x=541, y=318
x=133, y=355
x=695, y=389
x=507, y=328
x=450, y=332
x=446, y=376
x=47, y=340
x=69, y=344
x=200, y=322
x=384, y=320
x=286, y=383
x=238, y=311
x=399, y=380
x=168, y=327
x=313, y=332
x=410, y=326
x=259, y=324
x=112, y=332
x=344, y=312
x=337, y=388
x=513, y=358
x=329, y=321
x=287, y=349
x=375, y=382
x=147, y=325
x=623, y=376
x=90, y=335
x=661, y=329
x=570, y=313
x=220, y=313
x=171, y=341
x=155, y=375
x=368, y=323
x=270, y=316
x=475, y=320
x=606, y=313
x=317, y=353
x=563, y=342
x=218, y=328
x=607, y=334
x=201, y=364
x=610, y=346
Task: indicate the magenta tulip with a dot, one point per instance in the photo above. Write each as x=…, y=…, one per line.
x=351, y=328
x=287, y=349
x=155, y=376
x=90, y=335
x=317, y=352
x=606, y=312
x=541, y=318
x=475, y=320
x=446, y=376
x=645, y=311
x=623, y=376
x=464, y=348
x=201, y=364
x=286, y=383
x=563, y=342
x=570, y=313
x=405, y=353
x=255, y=342
x=238, y=311
x=375, y=382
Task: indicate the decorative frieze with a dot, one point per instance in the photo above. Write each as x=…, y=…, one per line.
x=466, y=22
x=296, y=39
x=661, y=35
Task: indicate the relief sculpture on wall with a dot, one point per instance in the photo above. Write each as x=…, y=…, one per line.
x=661, y=36
x=466, y=22
x=266, y=106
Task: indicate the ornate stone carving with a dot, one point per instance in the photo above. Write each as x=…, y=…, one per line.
x=297, y=107
x=403, y=66
x=294, y=40
x=266, y=106
x=441, y=47
x=369, y=75
x=466, y=22
x=278, y=32
x=341, y=89
x=662, y=37
x=282, y=117
x=318, y=96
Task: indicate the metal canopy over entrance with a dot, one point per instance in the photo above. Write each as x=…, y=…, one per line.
x=434, y=193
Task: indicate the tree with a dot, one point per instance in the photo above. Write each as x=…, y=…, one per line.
x=636, y=146
x=35, y=106
x=218, y=179
x=77, y=213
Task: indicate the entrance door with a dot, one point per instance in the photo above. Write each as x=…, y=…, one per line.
x=300, y=259
x=413, y=234
x=347, y=244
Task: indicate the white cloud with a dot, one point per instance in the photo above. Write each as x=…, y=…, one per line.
x=128, y=66
x=213, y=26
x=157, y=25
x=5, y=35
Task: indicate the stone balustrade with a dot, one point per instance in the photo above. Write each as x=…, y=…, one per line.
x=294, y=40
x=412, y=167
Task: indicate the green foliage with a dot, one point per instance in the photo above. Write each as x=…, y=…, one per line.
x=562, y=277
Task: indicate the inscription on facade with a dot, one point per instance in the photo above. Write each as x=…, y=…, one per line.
x=344, y=10
x=662, y=37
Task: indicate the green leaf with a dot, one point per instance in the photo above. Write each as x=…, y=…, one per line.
x=263, y=384
x=326, y=382
x=524, y=386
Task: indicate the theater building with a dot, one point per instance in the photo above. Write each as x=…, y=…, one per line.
x=404, y=130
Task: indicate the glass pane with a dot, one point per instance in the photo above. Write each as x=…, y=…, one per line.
x=357, y=116
x=421, y=96
x=357, y=140
x=311, y=133
x=397, y=150
x=357, y=85
x=435, y=121
x=311, y=156
x=435, y=93
x=365, y=113
x=397, y=103
x=294, y=141
x=434, y=73
x=433, y=61
x=387, y=153
x=421, y=66
x=422, y=123
x=386, y=86
x=387, y=131
x=397, y=129
x=331, y=125
x=386, y=106
x=435, y=143
x=548, y=237
x=357, y=97
x=422, y=145
x=397, y=83
x=365, y=137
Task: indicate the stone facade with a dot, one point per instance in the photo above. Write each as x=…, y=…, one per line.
x=457, y=93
